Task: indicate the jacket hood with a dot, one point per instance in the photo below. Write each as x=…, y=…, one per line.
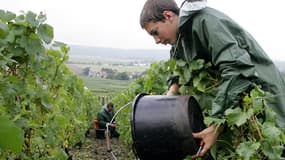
x=188, y=8
x=105, y=107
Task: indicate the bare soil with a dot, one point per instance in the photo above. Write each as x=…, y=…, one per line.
x=96, y=149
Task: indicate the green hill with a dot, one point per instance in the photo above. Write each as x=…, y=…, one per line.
x=115, y=53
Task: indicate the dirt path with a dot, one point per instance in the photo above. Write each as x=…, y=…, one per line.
x=95, y=149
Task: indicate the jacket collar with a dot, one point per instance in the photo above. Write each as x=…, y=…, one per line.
x=187, y=11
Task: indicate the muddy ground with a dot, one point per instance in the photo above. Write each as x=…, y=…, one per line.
x=95, y=149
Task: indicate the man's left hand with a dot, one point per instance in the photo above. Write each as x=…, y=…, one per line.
x=113, y=125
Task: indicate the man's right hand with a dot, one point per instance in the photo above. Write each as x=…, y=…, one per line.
x=209, y=136
x=173, y=90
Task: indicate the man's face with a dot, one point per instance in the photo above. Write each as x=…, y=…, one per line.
x=110, y=109
x=161, y=32
x=164, y=32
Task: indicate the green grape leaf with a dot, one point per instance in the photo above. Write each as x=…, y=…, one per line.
x=17, y=51
x=201, y=87
x=171, y=64
x=11, y=137
x=187, y=74
x=247, y=149
x=180, y=63
x=199, y=84
x=271, y=132
x=19, y=30
x=45, y=31
x=6, y=15
x=32, y=45
x=257, y=92
x=196, y=81
x=270, y=115
x=20, y=20
x=217, y=121
x=58, y=154
x=205, y=101
x=3, y=30
x=196, y=65
x=272, y=152
x=46, y=102
x=31, y=19
x=42, y=17
x=237, y=117
x=203, y=74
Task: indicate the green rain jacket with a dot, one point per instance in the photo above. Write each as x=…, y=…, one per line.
x=211, y=35
x=104, y=117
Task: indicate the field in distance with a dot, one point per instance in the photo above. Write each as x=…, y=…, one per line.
x=87, y=62
x=105, y=87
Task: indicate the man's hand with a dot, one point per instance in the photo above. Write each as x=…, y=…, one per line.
x=209, y=136
x=113, y=125
x=173, y=90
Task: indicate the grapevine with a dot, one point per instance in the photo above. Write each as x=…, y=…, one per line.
x=250, y=128
x=44, y=108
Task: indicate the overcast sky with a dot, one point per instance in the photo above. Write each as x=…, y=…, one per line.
x=115, y=23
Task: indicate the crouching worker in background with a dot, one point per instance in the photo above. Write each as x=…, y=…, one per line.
x=104, y=117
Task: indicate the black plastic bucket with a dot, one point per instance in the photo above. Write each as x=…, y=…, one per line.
x=162, y=126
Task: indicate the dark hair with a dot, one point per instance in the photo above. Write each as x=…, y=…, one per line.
x=110, y=105
x=153, y=10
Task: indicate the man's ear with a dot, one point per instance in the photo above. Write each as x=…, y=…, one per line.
x=168, y=15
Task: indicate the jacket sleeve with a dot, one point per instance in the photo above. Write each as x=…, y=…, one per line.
x=221, y=40
x=102, y=121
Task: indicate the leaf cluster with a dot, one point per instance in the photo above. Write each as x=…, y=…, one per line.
x=44, y=108
x=250, y=128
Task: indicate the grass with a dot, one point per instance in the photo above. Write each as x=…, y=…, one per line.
x=105, y=87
